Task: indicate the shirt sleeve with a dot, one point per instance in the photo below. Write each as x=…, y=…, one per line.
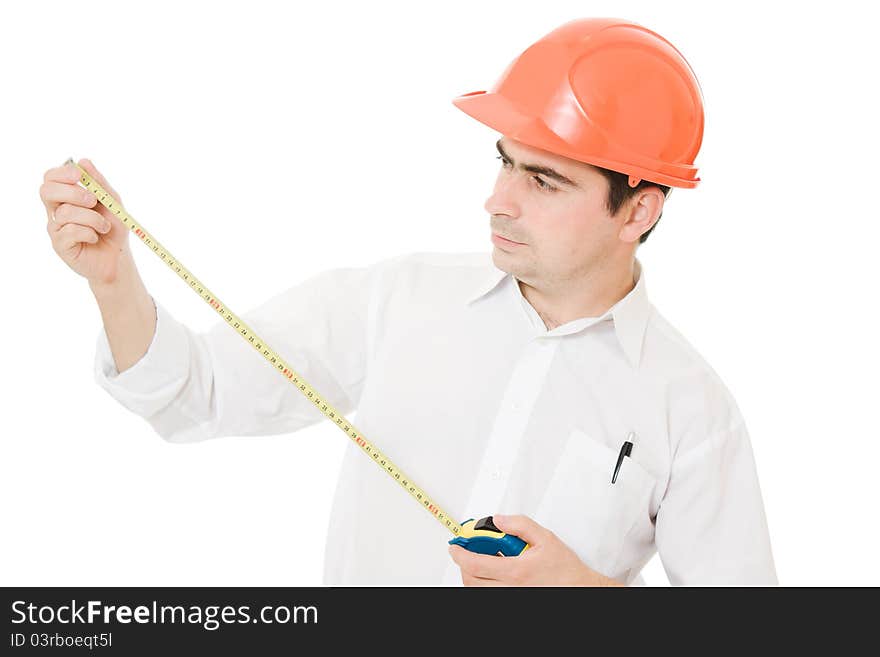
x=711, y=528
x=194, y=386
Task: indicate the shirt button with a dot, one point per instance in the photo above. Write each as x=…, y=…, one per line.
x=496, y=474
x=516, y=406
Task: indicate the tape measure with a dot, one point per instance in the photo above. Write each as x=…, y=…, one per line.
x=277, y=362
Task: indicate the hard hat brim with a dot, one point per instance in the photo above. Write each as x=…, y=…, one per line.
x=497, y=112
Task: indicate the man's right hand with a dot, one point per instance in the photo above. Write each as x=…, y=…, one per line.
x=87, y=236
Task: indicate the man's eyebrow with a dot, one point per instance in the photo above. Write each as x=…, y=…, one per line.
x=536, y=168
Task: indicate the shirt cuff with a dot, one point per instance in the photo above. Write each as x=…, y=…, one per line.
x=153, y=381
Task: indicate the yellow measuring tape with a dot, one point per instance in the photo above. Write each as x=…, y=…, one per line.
x=248, y=334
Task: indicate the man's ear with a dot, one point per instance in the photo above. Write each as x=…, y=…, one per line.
x=642, y=212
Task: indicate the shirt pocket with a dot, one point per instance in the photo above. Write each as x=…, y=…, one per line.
x=585, y=510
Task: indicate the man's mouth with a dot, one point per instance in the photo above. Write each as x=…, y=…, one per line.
x=507, y=239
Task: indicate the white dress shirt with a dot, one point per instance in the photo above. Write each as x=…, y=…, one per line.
x=455, y=377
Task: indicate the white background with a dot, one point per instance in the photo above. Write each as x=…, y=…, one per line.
x=262, y=144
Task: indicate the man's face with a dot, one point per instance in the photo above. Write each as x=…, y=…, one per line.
x=563, y=230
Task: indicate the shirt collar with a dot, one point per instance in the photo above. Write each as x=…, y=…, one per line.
x=630, y=314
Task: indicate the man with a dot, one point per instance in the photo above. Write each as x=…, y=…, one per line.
x=537, y=382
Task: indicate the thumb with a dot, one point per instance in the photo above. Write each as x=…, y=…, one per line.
x=92, y=170
x=522, y=526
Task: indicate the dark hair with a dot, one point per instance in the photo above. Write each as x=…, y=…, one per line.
x=619, y=192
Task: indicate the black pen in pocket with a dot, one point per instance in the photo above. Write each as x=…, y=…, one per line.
x=625, y=450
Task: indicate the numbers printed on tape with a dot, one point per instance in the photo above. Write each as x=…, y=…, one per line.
x=274, y=359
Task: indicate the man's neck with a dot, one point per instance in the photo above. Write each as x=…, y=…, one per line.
x=589, y=296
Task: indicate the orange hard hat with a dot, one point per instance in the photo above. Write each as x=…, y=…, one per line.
x=604, y=91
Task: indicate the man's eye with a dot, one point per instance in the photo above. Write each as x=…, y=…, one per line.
x=543, y=185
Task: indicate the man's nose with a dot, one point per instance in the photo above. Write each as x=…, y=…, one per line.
x=503, y=199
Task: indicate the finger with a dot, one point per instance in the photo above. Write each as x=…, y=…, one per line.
x=66, y=173
x=68, y=213
x=468, y=580
x=99, y=177
x=54, y=194
x=71, y=235
x=523, y=527
x=481, y=565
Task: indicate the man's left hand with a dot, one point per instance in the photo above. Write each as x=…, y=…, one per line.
x=547, y=561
